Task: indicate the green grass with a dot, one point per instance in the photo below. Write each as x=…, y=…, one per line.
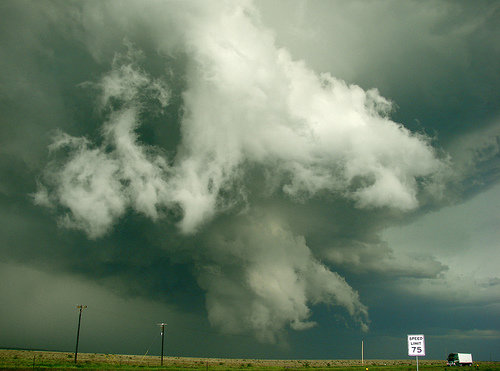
x=17, y=359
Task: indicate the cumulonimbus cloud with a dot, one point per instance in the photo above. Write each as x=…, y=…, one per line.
x=261, y=277
x=247, y=102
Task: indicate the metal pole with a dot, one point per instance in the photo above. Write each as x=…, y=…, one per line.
x=81, y=307
x=417, y=361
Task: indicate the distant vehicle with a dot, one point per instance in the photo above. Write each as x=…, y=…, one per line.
x=459, y=359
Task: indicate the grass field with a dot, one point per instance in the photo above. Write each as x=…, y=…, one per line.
x=27, y=359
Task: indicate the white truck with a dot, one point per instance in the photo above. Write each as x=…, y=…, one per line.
x=459, y=359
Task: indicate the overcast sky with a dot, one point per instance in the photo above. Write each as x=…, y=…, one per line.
x=276, y=179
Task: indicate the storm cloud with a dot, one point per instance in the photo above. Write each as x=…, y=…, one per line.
x=196, y=135
x=247, y=103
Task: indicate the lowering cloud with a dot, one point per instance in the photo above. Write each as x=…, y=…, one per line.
x=260, y=276
x=247, y=108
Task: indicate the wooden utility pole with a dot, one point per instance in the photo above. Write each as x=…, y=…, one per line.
x=362, y=353
x=81, y=307
x=162, y=339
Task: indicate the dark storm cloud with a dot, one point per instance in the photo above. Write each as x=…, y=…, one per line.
x=319, y=134
x=445, y=52
x=438, y=61
x=184, y=155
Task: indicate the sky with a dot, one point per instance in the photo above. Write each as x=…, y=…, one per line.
x=272, y=179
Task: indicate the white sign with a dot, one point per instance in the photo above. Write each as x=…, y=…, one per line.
x=416, y=345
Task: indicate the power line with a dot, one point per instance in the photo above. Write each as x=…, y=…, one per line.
x=147, y=351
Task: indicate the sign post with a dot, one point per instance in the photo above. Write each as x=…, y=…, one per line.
x=416, y=346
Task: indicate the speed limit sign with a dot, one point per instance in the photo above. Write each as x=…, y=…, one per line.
x=416, y=345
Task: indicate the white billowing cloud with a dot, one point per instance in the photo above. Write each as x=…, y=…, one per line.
x=87, y=186
x=261, y=277
x=247, y=102
x=96, y=184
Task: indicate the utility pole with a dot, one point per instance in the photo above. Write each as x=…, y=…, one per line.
x=362, y=353
x=81, y=307
x=162, y=339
